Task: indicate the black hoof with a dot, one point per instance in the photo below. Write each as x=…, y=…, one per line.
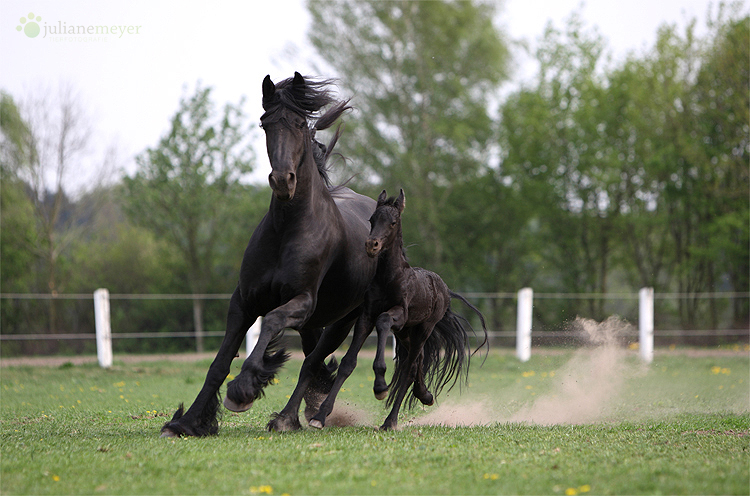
x=283, y=423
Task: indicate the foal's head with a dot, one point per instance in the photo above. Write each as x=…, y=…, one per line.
x=290, y=107
x=385, y=224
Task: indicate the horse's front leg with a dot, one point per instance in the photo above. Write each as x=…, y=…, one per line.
x=201, y=419
x=263, y=363
x=380, y=386
x=332, y=337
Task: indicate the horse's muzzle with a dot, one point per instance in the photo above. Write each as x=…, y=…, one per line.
x=373, y=247
x=283, y=184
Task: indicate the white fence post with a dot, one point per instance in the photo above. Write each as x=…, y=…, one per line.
x=646, y=324
x=103, y=328
x=252, y=335
x=523, y=324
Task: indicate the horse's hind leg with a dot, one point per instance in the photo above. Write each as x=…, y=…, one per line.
x=348, y=364
x=201, y=418
x=288, y=418
x=380, y=386
x=420, y=388
x=322, y=381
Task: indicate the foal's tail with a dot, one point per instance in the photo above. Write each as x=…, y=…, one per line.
x=485, y=342
x=447, y=353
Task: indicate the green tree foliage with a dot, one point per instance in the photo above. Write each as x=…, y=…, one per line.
x=639, y=170
x=18, y=231
x=186, y=189
x=423, y=75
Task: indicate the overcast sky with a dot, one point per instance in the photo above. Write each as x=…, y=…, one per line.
x=130, y=82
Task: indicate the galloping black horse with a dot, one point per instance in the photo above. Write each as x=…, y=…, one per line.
x=304, y=267
x=431, y=340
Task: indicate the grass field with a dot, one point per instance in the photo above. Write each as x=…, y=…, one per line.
x=567, y=422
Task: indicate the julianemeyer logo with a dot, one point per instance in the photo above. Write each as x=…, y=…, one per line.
x=62, y=31
x=29, y=25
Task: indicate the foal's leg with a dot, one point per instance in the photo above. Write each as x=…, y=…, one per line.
x=288, y=418
x=201, y=417
x=411, y=373
x=260, y=367
x=362, y=329
x=380, y=387
x=420, y=388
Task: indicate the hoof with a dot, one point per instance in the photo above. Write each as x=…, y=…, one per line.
x=316, y=423
x=281, y=423
x=231, y=405
x=168, y=433
x=382, y=395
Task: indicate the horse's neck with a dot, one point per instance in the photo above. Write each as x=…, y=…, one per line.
x=392, y=262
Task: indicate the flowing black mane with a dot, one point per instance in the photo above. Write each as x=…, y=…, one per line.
x=307, y=100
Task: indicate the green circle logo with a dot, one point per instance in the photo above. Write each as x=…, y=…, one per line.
x=30, y=26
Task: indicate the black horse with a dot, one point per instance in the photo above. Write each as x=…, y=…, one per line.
x=304, y=267
x=432, y=342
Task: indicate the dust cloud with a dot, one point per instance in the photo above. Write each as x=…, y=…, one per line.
x=582, y=390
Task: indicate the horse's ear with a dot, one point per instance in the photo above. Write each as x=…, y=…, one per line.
x=268, y=88
x=381, y=199
x=401, y=202
x=298, y=79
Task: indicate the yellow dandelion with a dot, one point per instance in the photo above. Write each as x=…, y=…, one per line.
x=716, y=370
x=56, y=478
x=571, y=491
x=584, y=488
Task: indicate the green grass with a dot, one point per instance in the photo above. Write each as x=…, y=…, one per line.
x=679, y=426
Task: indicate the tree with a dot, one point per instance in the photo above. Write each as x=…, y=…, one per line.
x=423, y=76
x=557, y=152
x=45, y=140
x=640, y=169
x=186, y=188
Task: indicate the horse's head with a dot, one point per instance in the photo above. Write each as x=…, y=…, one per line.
x=287, y=134
x=293, y=113
x=385, y=224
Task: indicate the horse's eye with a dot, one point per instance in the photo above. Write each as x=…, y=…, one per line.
x=393, y=223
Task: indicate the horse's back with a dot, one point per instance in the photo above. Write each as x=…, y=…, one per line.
x=354, y=206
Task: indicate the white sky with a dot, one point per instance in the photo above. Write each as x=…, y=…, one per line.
x=131, y=85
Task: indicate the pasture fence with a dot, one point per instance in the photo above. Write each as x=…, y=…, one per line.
x=526, y=300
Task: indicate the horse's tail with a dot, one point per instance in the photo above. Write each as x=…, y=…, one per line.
x=445, y=361
x=485, y=343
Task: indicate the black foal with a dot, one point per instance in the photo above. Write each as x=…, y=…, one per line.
x=432, y=342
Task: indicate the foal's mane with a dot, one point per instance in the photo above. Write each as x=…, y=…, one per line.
x=308, y=100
